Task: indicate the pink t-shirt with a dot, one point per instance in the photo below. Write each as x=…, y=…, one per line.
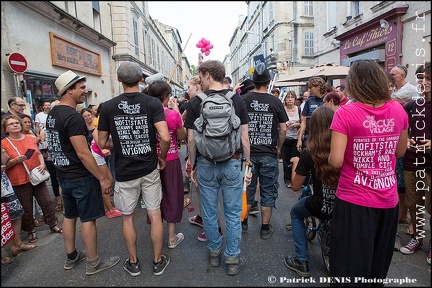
x=368, y=175
x=174, y=122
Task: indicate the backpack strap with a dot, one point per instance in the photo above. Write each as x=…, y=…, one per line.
x=230, y=94
x=201, y=96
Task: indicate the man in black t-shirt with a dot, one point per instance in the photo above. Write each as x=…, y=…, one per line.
x=129, y=123
x=226, y=176
x=81, y=180
x=267, y=131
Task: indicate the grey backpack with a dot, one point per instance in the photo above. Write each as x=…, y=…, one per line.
x=217, y=130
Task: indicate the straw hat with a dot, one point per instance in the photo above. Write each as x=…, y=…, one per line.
x=66, y=80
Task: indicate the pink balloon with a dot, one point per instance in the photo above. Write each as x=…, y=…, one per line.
x=206, y=42
x=207, y=53
x=203, y=39
x=199, y=45
x=203, y=50
x=211, y=46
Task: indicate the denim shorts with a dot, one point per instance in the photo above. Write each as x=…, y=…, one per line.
x=266, y=171
x=82, y=197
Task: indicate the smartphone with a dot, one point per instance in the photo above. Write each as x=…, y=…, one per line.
x=29, y=153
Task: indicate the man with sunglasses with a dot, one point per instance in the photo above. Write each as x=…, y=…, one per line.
x=16, y=106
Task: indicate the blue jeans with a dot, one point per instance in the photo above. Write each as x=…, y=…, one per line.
x=298, y=213
x=266, y=168
x=226, y=177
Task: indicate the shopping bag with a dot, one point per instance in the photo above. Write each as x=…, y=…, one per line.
x=7, y=231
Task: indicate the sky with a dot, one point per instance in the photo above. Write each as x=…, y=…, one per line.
x=212, y=20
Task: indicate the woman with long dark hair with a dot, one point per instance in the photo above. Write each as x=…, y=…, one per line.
x=313, y=160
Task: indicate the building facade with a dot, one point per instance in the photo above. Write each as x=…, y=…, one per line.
x=390, y=32
x=279, y=33
x=91, y=38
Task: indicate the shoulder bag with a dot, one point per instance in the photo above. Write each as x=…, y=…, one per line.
x=34, y=175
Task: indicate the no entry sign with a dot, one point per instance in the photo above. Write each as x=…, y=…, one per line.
x=17, y=63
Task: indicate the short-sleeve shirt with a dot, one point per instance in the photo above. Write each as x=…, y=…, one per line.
x=174, y=122
x=368, y=175
x=321, y=202
x=17, y=174
x=265, y=112
x=62, y=123
x=311, y=104
x=130, y=119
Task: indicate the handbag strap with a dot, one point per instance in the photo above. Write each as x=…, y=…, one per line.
x=25, y=166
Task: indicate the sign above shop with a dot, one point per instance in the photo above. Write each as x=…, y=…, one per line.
x=17, y=63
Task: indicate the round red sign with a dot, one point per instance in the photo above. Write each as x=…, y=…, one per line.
x=17, y=63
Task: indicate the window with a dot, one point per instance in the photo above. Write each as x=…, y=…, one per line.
x=135, y=33
x=308, y=8
x=144, y=33
x=96, y=16
x=331, y=15
x=308, y=44
x=95, y=6
x=355, y=8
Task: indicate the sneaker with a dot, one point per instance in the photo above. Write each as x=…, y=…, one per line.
x=159, y=268
x=289, y=227
x=254, y=209
x=177, y=240
x=428, y=257
x=194, y=220
x=69, y=264
x=265, y=234
x=102, y=265
x=202, y=236
x=115, y=213
x=413, y=245
x=299, y=266
x=244, y=225
x=234, y=267
x=132, y=269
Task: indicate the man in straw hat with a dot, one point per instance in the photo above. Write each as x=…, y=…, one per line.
x=80, y=178
x=133, y=119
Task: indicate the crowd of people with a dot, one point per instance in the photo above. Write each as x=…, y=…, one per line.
x=359, y=144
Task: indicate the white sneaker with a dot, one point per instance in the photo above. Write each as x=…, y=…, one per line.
x=177, y=240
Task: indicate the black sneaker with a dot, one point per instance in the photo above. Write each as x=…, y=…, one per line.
x=244, y=225
x=132, y=269
x=266, y=233
x=254, y=209
x=299, y=266
x=159, y=268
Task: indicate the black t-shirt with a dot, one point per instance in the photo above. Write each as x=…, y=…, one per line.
x=320, y=204
x=62, y=123
x=130, y=119
x=265, y=112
